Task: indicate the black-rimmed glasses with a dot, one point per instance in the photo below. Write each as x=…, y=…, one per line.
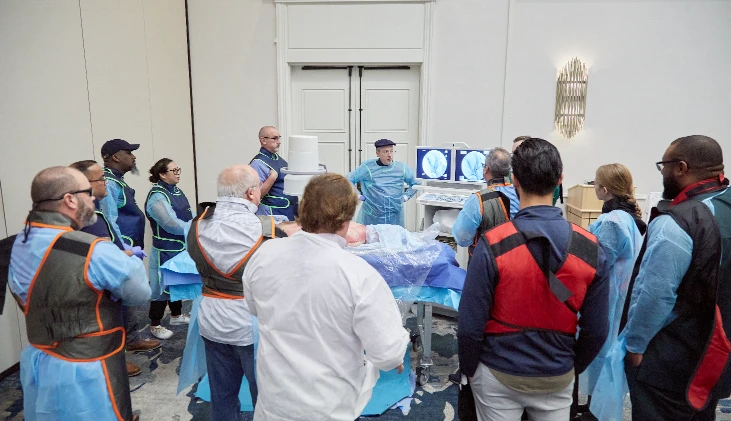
x=273, y=137
x=88, y=191
x=104, y=179
x=661, y=164
x=175, y=171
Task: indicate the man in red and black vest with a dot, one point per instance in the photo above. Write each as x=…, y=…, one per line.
x=679, y=309
x=528, y=280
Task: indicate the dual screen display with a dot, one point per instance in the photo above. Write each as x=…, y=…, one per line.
x=437, y=164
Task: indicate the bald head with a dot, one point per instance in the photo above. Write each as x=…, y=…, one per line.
x=53, y=183
x=234, y=181
x=267, y=131
x=702, y=154
x=689, y=160
x=269, y=138
x=64, y=190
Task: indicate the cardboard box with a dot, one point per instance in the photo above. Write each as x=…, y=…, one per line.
x=582, y=197
x=580, y=217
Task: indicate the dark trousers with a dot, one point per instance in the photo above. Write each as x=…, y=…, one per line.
x=227, y=365
x=650, y=403
x=130, y=324
x=157, y=310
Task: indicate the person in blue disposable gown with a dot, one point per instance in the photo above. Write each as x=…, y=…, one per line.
x=471, y=217
x=169, y=212
x=619, y=230
x=74, y=282
x=382, y=183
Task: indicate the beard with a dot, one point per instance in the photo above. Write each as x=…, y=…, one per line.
x=86, y=215
x=671, y=188
x=134, y=170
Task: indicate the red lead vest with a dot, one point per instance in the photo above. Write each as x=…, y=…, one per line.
x=530, y=298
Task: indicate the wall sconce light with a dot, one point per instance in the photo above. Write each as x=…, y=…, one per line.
x=571, y=98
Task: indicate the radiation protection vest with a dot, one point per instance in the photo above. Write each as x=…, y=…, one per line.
x=217, y=284
x=68, y=318
x=494, y=209
x=691, y=353
x=130, y=219
x=167, y=243
x=554, y=299
x=280, y=203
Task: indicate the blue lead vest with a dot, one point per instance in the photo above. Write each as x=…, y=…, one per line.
x=102, y=228
x=278, y=202
x=130, y=219
x=169, y=244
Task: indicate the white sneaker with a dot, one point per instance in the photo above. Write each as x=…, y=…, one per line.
x=161, y=332
x=180, y=320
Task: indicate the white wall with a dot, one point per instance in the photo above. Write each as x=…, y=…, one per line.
x=133, y=55
x=658, y=70
x=44, y=110
x=468, y=72
x=234, y=82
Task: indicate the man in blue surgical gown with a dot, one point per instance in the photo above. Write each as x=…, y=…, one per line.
x=382, y=183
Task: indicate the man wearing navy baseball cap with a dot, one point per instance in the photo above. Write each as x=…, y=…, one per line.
x=382, y=182
x=120, y=207
x=128, y=222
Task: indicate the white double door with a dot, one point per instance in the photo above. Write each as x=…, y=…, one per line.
x=350, y=107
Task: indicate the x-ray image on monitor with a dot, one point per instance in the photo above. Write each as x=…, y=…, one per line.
x=470, y=164
x=434, y=164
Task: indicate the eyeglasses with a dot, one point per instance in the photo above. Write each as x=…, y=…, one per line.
x=175, y=171
x=88, y=191
x=272, y=138
x=661, y=164
x=103, y=179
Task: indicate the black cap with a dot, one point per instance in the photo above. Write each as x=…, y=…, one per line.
x=384, y=142
x=115, y=145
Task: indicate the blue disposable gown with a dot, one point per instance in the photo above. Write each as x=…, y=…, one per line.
x=621, y=240
x=161, y=211
x=383, y=188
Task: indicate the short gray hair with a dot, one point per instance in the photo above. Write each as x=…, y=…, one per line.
x=52, y=183
x=498, y=161
x=235, y=180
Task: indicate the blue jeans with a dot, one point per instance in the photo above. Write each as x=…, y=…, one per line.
x=227, y=365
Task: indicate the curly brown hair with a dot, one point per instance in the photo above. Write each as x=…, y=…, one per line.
x=328, y=202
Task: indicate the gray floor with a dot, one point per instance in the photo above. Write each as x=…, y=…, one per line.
x=154, y=391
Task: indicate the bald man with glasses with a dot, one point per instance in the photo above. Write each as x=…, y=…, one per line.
x=268, y=165
x=71, y=285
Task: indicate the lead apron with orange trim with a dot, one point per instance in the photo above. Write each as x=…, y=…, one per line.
x=494, y=209
x=66, y=317
x=217, y=284
x=552, y=299
x=690, y=354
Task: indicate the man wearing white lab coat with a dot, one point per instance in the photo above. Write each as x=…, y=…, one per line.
x=328, y=321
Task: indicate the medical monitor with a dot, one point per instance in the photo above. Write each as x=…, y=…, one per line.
x=469, y=164
x=434, y=164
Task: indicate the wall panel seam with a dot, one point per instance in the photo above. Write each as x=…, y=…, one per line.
x=86, y=76
x=149, y=92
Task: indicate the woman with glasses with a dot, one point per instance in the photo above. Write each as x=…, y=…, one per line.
x=168, y=211
x=619, y=230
